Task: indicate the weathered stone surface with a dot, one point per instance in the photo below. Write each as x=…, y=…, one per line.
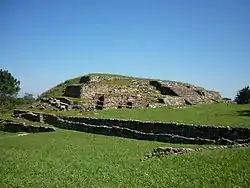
x=172, y=101
x=123, y=100
x=65, y=100
x=190, y=93
x=10, y=126
x=59, y=103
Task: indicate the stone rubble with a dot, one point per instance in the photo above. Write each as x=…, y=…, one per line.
x=164, y=151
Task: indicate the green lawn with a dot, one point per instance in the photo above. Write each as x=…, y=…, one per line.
x=215, y=114
x=209, y=114
x=75, y=159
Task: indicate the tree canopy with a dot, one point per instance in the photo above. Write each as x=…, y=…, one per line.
x=9, y=86
x=243, y=96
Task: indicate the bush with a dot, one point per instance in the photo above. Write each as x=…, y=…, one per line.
x=243, y=96
x=9, y=88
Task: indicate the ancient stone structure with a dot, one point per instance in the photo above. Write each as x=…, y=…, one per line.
x=191, y=94
x=61, y=103
x=158, y=131
x=120, y=91
x=108, y=100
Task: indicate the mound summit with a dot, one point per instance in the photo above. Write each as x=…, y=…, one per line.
x=116, y=91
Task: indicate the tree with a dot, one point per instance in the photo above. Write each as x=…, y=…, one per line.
x=9, y=88
x=29, y=97
x=243, y=96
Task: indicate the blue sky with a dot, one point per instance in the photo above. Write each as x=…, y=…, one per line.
x=203, y=42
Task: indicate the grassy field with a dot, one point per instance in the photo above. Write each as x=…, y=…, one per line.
x=75, y=159
x=212, y=114
x=215, y=114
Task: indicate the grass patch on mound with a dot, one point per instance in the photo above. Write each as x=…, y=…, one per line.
x=120, y=82
x=76, y=159
x=58, y=90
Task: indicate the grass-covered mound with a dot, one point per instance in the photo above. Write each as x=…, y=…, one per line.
x=58, y=90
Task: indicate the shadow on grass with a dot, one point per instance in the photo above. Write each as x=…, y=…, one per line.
x=244, y=113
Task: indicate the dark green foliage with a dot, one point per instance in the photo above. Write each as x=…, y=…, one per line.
x=243, y=96
x=29, y=97
x=9, y=88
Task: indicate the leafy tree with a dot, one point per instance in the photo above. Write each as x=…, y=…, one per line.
x=29, y=97
x=9, y=88
x=243, y=96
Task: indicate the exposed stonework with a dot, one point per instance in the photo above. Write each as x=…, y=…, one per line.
x=172, y=101
x=123, y=100
x=191, y=94
x=61, y=103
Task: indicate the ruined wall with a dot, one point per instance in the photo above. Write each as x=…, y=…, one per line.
x=123, y=100
x=11, y=126
x=166, y=132
x=190, y=93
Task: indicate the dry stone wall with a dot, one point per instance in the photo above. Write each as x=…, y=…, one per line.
x=10, y=126
x=165, y=132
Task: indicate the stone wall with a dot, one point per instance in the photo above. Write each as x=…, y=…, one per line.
x=123, y=100
x=166, y=132
x=10, y=126
x=186, y=130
